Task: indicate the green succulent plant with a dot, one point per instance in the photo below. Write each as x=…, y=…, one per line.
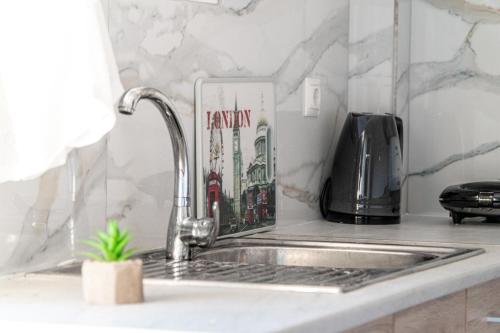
x=111, y=245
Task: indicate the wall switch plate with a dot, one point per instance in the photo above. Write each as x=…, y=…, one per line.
x=312, y=97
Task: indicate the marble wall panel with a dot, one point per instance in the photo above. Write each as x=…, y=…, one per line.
x=379, y=59
x=371, y=55
x=401, y=84
x=44, y=220
x=168, y=44
x=454, y=97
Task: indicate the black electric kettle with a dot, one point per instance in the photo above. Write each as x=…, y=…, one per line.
x=364, y=185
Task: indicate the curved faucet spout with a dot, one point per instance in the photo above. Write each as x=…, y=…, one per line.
x=128, y=104
x=183, y=230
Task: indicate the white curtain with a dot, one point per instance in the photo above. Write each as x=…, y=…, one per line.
x=58, y=83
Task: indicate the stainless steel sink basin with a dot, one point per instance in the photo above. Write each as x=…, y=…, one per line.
x=295, y=265
x=315, y=254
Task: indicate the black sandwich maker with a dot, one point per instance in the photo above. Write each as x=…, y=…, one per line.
x=481, y=199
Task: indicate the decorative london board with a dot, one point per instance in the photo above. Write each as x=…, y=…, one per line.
x=236, y=153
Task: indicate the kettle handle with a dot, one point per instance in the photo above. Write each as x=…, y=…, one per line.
x=399, y=126
x=324, y=198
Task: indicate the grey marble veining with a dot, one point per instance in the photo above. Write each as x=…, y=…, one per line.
x=454, y=97
x=470, y=10
x=460, y=70
x=381, y=40
x=480, y=150
x=371, y=55
x=379, y=64
x=169, y=44
x=433, y=63
x=401, y=83
x=44, y=220
x=240, y=7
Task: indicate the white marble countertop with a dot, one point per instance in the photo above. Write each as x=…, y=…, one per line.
x=171, y=306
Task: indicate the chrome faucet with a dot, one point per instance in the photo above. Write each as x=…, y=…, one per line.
x=184, y=231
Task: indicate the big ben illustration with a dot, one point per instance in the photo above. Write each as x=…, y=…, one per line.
x=235, y=153
x=236, y=163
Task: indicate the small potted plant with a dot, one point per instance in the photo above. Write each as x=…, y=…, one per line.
x=109, y=276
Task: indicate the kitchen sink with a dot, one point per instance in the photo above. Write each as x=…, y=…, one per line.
x=294, y=264
x=314, y=254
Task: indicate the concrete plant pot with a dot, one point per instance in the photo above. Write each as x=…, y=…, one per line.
x=112, y=282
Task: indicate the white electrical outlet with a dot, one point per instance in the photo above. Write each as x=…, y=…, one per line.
x=312, y=97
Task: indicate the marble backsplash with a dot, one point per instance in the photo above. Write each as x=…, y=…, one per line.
x=432, y=62
x=454, y=97
x=43, y=220
x=168, y=44
x=371, y=55
x=379, y=59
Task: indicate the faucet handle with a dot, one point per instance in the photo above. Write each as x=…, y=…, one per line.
x=215, y=222
x=201, y=232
